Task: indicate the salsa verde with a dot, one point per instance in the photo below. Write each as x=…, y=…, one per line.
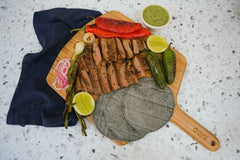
x=155, y=15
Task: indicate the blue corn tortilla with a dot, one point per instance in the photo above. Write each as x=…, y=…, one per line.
x=146, y=106
x=109, y=110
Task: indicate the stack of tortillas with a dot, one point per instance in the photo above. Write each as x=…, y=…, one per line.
x=130, y=113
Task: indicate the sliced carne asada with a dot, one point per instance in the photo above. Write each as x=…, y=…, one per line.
x=121, y=76
x=104, y=48
x=85, y=77
x=143, y=62
x=83, y=85
x=82, y=64
x=102, y=76
x=135, y=46
x=144, y=45
x=78, y=87
x=112, y=49
x=120, y=49
x=138, y=67
x=128, y=49
x=140, y=45
x=112, y=77
x=97, y=57
x=95, y=82
x=88, y=56
x=98, y=75
x=130, y=73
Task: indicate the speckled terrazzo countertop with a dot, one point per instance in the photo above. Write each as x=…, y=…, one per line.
x=207, y=33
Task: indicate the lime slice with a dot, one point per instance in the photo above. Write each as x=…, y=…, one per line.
x=157, y=43
x=83, y=103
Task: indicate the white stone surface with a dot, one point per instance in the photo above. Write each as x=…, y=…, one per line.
x=207, y=33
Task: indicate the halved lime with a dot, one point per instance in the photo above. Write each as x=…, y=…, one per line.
x=83, y=103
x=157, y=43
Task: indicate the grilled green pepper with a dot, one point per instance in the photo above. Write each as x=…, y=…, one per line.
x=169, y=64
x=156, y=69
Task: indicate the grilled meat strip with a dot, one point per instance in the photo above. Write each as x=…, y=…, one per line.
x=122, y=54
x=112, y=49
x=93, y=75
x=144, y=45
x=112, y=77
x=104, y=48
x=96, y=52
x=120, y=69
x=143, y=63
x=78, y=86
x=102, y=75
x=130, y=73
x=85, y=77
x=88, y=56
x=83, y=85
x=135, y=47
x=138, y=67
x=140, y=45
x=128, y=49
x=82, y=63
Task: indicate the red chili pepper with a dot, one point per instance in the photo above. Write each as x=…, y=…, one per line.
x=117, y=26
x=100, y=32
x=108, y=34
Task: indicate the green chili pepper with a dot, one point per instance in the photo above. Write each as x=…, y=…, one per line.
x=156, y=69
x=169, y=63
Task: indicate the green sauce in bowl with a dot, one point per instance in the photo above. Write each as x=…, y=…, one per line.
x=155, y=15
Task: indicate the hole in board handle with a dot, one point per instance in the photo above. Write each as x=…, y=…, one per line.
x=213, y=143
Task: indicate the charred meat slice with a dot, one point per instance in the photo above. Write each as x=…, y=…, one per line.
x=104, y=49
x=144, y=45
x=121, y=76
x=83, y=85
x=122, y=54
x=85, y=77
x=135, y=46
x=82, y=63
x=112, y=49
x=138, y=67
x=95, y=82
x=140, y=45
x=96, y=52
x=112, y=77
x=102, y=76
x=130, y=73
x=128, y=49
x=78, y=87
x=88, y=56
x=143, y=62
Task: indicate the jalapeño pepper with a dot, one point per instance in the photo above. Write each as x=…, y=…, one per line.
x=169, y=63
x=157, y=69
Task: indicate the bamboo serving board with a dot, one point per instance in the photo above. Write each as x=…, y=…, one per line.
x=180, y=118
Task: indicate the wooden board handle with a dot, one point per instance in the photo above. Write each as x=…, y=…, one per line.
x=194, y=129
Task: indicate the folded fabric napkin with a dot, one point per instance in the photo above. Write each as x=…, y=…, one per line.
x=34, y=102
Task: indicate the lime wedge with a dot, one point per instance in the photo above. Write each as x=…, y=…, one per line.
x=83, y=103
x=157, y=43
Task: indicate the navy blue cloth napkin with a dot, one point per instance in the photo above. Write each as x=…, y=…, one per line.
x=34, y=102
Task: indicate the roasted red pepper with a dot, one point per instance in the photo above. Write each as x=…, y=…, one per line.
x=100, y=32
x=108, y=34
x=117, y=26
